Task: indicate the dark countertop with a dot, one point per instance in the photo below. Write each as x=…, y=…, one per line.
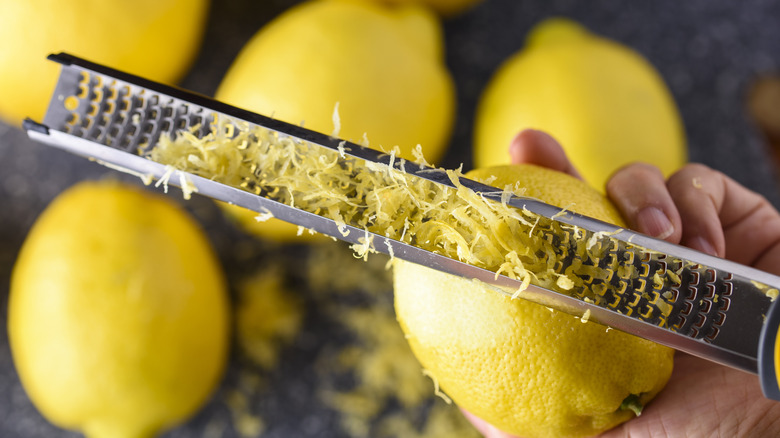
x=709, y=52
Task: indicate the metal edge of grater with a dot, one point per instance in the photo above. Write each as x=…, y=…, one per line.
x=715, y=310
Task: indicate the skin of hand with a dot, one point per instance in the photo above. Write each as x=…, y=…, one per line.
x=703, y=209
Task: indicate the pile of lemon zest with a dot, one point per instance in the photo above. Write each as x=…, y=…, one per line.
x=453, y=221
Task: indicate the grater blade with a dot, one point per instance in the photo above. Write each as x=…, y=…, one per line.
x=673, y=295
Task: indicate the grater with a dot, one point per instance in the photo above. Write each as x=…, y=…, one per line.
x=688, y=300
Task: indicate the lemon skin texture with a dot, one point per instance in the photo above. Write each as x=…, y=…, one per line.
x=601, y=100
x=118, y=312
x=155, y=39
x=382, y=65
x=520, y=366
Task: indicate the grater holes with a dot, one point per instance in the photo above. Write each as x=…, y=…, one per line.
x=165, y=126
x=714, y=331
x=93, y=110
x=96, y=95
x=705, y=306
x=113, y=132
x=181, y=124
x=710, y=291
x=726, y=304
x=167, y=112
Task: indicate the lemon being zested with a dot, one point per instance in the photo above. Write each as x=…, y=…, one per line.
x=520, y=366
x=601, y=100
x=118, y=313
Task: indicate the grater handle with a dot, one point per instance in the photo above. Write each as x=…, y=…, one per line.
x=769, y=354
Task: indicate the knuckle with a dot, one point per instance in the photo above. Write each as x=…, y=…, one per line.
x=693, y=176
x=634, y=174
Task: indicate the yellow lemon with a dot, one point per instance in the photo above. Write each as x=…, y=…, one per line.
x=603, y=101
x=447, y=8
x=383, y=67
x=526, y=369
x=118, y=312
x=157, y=39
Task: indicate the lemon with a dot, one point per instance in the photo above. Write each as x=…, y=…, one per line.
x=157, y=39
x=603, y=101
x=118, y=312
x=383, y=67
x=447, y=8
x=526, y=369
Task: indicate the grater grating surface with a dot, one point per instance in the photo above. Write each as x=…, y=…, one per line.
x=663, y=292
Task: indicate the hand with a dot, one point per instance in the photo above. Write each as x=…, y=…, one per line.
x=703, y=209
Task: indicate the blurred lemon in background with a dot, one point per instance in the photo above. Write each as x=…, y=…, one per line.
x=522, y=367
x=156, y=39
x=601, y=100
x=118, y=312
x=447, y=8
x=383, y=66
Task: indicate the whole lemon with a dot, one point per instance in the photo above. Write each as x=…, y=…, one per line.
x=157, y=39
x=603, y=101
x=384, y=67
x=118, y=312
x=526, y=369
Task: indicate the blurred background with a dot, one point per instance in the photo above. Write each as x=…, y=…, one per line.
x=715, y=56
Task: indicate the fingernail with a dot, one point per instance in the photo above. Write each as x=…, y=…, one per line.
x=703, y=245
x=653, y=221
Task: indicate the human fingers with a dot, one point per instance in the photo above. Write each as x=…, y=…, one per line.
x=487, y=430
x=724, y=218
x=537, y=147
x=639, y=191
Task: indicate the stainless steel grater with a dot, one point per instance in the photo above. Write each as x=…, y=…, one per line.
x=670, y=294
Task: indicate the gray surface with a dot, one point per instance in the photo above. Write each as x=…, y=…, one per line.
x=709, y=51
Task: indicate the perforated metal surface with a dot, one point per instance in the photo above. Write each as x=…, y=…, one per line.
x=666, y=293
